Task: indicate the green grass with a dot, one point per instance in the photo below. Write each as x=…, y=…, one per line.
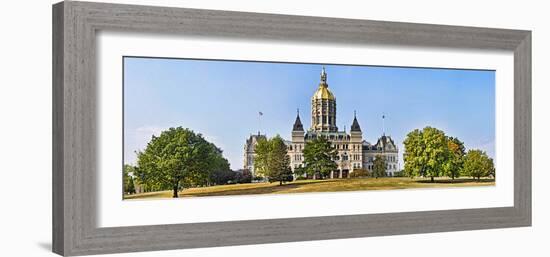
x=328, y=185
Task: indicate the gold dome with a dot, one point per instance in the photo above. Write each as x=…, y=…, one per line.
x=323, y=93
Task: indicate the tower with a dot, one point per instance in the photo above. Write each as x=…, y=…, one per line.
x=356, y=144
x=297, y=144
x=355, y=131
x=323, y=107
x=298, y=130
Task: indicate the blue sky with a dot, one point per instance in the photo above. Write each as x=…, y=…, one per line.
x=221, y=100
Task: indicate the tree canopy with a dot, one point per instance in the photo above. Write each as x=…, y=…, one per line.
x=379, y=166
x=128, y=177
x=477, y=164
x=179, y=158
x=456, y=152
x=319, y=155
x=430, y=153
x=272, y=160
x=426, y=152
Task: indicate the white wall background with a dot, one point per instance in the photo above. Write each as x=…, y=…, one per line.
x=25, y=112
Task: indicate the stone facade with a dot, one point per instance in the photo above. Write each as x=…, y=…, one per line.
x=353, y=152
x=249, y=152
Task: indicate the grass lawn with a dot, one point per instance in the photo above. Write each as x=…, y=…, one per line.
x=327, y=185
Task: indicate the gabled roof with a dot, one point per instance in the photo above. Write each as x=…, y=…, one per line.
x=386, y=143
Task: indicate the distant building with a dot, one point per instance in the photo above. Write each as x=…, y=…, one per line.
x=250, y=152
x=353, y=152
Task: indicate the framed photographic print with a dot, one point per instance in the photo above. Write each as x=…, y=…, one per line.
x=248, y=128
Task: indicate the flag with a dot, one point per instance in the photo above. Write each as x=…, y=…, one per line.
x=260, y=113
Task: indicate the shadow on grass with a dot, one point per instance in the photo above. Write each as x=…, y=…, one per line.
x=157, y=194
x=271, y=189
x=456, y=181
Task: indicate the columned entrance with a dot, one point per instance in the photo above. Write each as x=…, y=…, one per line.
x=344, y=174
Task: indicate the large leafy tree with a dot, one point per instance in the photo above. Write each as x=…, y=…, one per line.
x=319, y=155
x=379, y=166
x=272, y=160
x=178, y=157
x=426, y=153
x=128, y=177
x=455, y=159
x=477, y=164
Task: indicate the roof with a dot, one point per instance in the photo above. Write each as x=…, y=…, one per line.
x=384, y=143
x=298, y=124
x=251, y=141
x=323, y=93
x=355, y=125
x=331, y=135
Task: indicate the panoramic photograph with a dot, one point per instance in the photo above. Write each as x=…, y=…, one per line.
x=197, y=128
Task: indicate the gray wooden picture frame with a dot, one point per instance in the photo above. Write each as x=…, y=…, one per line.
x=75, y=25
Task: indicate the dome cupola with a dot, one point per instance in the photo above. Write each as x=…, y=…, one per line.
x=323, y=107
x=323, y=92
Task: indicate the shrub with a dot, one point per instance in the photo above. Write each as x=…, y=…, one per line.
x=360, y=173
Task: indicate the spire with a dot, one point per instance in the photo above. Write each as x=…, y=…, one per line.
x=323, y=76
x=355, y=125
x=298, y=123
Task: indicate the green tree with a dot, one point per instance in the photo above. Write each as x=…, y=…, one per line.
x=319, y=155
x=222, y=177
x=455, y=158
x=221, y=173
x=426, y=153
x=477, y=164
x=178, y=157
x=379, y=167
x=272, y=160
x=128, y=173
x=300, y=172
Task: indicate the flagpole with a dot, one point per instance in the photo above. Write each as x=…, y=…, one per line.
x=383, y=125
x=259, y=122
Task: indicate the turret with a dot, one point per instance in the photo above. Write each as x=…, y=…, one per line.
x=355, y=131
x=298, y=129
